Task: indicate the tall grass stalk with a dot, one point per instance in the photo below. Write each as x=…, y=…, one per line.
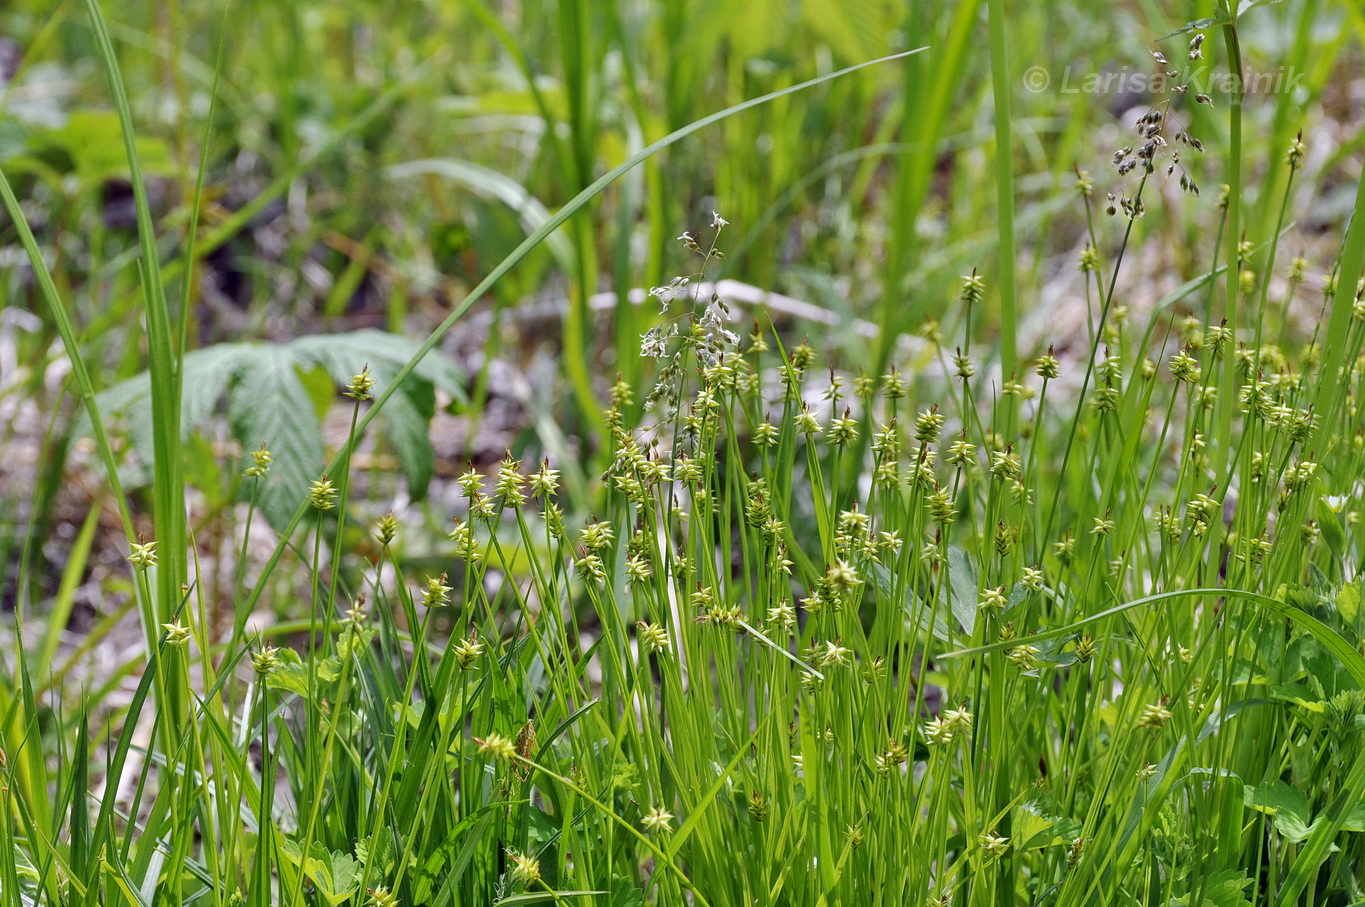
x=1002, y=83
x=164, y=356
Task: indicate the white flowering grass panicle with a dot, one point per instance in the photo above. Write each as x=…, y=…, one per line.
x=696, y=329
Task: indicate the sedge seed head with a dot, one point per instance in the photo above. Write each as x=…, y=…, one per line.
x=265, y=660
x=497, y=746
x=261, y=460
x=525, y=868
x=657, y=821
x=386, y=528
x=322, y=494
x=142, y=555
x=359, y=387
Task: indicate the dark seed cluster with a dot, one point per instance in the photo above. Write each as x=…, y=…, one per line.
x=1153, y=149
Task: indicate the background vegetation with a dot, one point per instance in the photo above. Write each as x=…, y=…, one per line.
x=970, y=513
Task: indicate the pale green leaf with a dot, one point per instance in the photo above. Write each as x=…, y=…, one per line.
x=855, y=30
x=1348, y=602
x=1288, y=805
x=271, y=404
x=964, y=585
x=1221, y=889
x=1300, y=695
x=93, y=141
x=334, y=874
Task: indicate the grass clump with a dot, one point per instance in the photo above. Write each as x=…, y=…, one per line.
x=1078, y=627
x=815, y=646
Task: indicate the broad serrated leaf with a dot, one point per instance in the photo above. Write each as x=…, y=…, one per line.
x=1330, y=526
x=1030, y=828
x=318, y=385
x=270, y=403
x=625, y=894
x=1300, y=695
x=204, y=470
x=291, y=673
x=288, y=674
x=1348, y=602
x=344, y=355
x=209, y=374
x=338, y=875
x=128, y=405
x=1287, y=805
x=1036, y=826
x=278, y=393
x=1017, y=595
x=1221, y=889
x=335, y=875
x=406, y=417
x=408, y=413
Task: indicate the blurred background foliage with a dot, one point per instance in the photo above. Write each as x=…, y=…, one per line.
x=369, y=163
